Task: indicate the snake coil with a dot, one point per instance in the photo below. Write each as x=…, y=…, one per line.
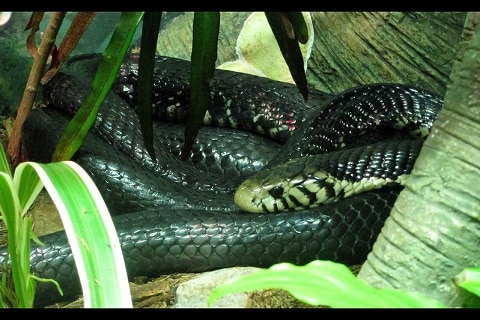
x=171, y=217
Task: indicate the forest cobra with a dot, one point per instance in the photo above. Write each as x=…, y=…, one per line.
x=329, y=201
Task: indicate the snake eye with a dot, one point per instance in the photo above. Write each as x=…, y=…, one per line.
x=276, y=192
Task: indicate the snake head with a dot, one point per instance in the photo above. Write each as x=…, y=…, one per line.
x=287, y=186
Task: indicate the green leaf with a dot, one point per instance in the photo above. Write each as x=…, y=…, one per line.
x=284, y=32
x=469, y=279
x=299, y=26
x=27, y=191
x=113, y=56
x=88, y=225
x=204, y=54
x=90, y=230
x=323, y=283
x=150, y=29
x=9, y=203
x=4, y=164
x=18, y=236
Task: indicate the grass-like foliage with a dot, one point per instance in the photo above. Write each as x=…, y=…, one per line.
x=324, y=283
x=87, y=222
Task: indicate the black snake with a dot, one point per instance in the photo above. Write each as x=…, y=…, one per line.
x=187, y=221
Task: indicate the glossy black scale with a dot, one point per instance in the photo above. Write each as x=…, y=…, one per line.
x=161, y=239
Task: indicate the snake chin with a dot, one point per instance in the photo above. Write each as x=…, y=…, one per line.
x=245, y=198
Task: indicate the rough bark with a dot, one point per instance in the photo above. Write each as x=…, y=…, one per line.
x=433, y=232
x=354, y=48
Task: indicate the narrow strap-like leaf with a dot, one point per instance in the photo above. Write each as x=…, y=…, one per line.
x=89, y=228
x=206, y=27
x=150, y=29
x=77, y=129
x=284, y=32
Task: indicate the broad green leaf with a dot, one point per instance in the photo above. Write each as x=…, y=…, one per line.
x=257, y=48
x=113, y=56
x=204, y=54
x=150, y=29
x=323, y=283
x=90, y=230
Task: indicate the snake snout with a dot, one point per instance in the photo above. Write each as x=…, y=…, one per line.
x=247, y=199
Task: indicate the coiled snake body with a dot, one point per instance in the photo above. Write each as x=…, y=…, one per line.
x=173, y=217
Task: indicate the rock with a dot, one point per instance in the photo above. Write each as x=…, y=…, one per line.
x=195, y=292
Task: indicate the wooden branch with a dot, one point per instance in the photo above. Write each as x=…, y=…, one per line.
x=31, y=88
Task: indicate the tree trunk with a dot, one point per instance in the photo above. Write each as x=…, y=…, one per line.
x=355, y=48
x=433, y=232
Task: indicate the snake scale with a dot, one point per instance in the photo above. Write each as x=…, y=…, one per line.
x=181, y=217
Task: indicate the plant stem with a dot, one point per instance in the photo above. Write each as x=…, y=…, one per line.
x=31, y=88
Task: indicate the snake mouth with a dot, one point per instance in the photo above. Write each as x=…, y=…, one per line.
x=245, y=198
